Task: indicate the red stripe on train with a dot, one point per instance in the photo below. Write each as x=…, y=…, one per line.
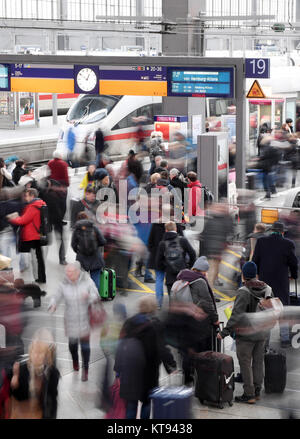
x=59, y=96
x=125, y=136
x=221, y=167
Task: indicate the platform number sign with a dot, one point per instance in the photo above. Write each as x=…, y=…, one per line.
x=257, y=68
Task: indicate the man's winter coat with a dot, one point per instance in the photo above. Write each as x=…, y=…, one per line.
x=88, y=262
x=156, y=235
x=275, y=256
x=161, y=263
x=245, y=303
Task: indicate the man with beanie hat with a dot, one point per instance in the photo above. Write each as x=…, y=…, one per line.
x=276, y=261
x=250, y=345
x=203, y=297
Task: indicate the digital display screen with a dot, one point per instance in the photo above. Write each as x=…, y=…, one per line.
x=4, y=77
x=201, y=82
x=133, y=73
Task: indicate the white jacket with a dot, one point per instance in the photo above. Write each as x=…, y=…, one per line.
x=77, y=298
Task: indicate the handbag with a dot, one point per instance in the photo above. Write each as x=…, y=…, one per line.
x=97, y=314
x=118, y=409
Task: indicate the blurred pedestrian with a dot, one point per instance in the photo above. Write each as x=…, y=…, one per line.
x=5, y=176
x=203, y=298
x=275, y=257
x=78, y=292
x=19, y=171
x=59, y=169
x=88, y=204
x=172, y=255
x=86, y=242
x=30, y=222
x=89, y=178
x=34, y=385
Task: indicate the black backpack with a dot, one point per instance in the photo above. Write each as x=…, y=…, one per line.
x=45, y=227
x=88, y=242
x=208, y=196
x=174, y=255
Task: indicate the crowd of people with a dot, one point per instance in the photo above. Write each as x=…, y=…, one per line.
x=134, y=217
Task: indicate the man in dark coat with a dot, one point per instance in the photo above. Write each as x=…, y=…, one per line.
x=274, y=256
x=162, y=262
x=93, y=261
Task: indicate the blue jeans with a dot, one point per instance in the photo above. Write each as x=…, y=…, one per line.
x=95, y=275
x=132, y=409
x=159, y=286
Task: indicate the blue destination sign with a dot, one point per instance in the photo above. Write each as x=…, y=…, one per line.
x=201, y=82
x=42, y=71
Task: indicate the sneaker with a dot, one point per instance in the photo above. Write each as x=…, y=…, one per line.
x=249, y=399
x=75, y=366
x=84, y=375
x=257, y=393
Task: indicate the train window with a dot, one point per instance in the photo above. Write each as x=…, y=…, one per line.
x=126, y=122
x=157, y=108
x=147, y=112
x=296, y=202
x=90, y=104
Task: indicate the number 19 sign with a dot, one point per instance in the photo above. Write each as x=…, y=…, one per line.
x=257, y=68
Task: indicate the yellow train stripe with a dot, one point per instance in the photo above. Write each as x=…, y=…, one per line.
x=42, y=85
x=133, y=88
x=231, y=266
x=234, y=253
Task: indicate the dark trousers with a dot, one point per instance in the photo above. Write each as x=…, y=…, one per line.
x=58, y=229
x=26, y=246
x=131, y=410
x=85, y=350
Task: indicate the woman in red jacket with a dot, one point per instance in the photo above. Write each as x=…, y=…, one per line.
x=30, y=222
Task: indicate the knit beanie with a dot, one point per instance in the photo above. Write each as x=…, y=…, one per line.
x=249, y=270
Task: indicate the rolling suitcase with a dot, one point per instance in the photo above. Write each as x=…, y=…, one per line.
x=108, y=284
x=275, y=371
x=171, y=402
x=214, y=378
x=294, y=298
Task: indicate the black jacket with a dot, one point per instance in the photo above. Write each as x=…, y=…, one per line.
x=275, y=256
x=92, y=262
x=217, y=230
x=176, y=182
x=156, y=235
x=160, y=262
x=17, y=173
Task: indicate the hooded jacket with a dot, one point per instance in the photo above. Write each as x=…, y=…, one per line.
x=77, y=298
x=244, y=305
x=30, y=220
x=203, y=298
x=195, y=198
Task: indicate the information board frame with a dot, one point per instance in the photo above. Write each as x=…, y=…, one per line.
x=230, y=70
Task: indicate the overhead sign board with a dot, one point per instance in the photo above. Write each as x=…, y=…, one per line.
x=257, y=68
x=201, y=82
x=133, y=80
x=255, y=91
x=39, y=78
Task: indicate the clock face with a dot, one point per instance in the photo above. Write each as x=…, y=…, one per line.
x=86, y=79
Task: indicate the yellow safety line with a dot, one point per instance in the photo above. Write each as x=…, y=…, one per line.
x=140, y=284
x=231, y=266
x=227, y=280
x=227, y=298
x=233, y=253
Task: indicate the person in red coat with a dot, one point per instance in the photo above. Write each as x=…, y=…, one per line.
x=195, y=194
x=59, y=169
x=30, y=222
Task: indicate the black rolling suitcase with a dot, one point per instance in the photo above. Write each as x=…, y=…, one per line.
x=275, y=371
x=294, y=298
x=214, y=375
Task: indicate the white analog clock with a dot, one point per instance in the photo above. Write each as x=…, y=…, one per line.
x=86, y=79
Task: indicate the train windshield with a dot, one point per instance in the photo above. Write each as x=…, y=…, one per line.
x=91, y=109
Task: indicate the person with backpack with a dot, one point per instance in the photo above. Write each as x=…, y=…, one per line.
x=86, y=240
x=31, y=223
x=172, y=255
x=192, y=287
x=250, y=344
x=194, y=207
x=88, y=204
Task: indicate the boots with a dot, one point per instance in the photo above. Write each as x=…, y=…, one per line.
x=138, y=269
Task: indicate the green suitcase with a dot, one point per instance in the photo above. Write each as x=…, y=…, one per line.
x=108, y=284
x=103, y=289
